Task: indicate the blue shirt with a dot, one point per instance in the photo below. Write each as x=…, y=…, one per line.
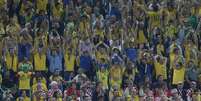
x=85, y=62
x=24, y=51
x=132, y=54
x=55, y=62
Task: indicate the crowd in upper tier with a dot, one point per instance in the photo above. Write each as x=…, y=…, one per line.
x=100, y=50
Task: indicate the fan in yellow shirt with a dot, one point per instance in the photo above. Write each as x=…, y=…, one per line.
x=24, y=80
x=154, y=19
x=101, y=53
x=39, y=56
x=84, y=24
x=178, y=70
x=115, y=75
x=70, y=60
x=11, y=59
x=23, y=97
x=57, y=9
x=102, y=76
x=69, y=63
x=41, y=5
x=160, y=66
x=140, y=32
x=39, y=90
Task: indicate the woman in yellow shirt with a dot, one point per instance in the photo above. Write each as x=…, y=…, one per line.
x=24, y=80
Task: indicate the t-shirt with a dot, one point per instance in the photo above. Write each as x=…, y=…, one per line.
x=24, y=80
x=39, y=62
x=69, y=62
x=160, y=69
x=116, y=76
x=86, y=62
x=132, y=54
x=178, y=75
x=41, y=5
x=57, y=11
x=103, y=77
x=11, y=62
x=154, y=18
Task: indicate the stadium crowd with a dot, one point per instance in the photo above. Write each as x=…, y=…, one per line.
x=100, y=50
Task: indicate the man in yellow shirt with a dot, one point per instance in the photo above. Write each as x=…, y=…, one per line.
x=115, y=75
x=160, y=66
x=41, y=5
x=24, y=81
x=11, y=59
x=69, y=64
x=39, y=56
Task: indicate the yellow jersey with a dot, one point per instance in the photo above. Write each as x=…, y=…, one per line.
x=160, y=69
x=141, y=39
x=154, y=18
x=11, y=62
x=116, y=76
x=103, y=77
x=39, y=62
x=178, y=76
x=57, y=11
x=69, y=62
x=41, y=5
x=99, y=32
x=24, y=80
